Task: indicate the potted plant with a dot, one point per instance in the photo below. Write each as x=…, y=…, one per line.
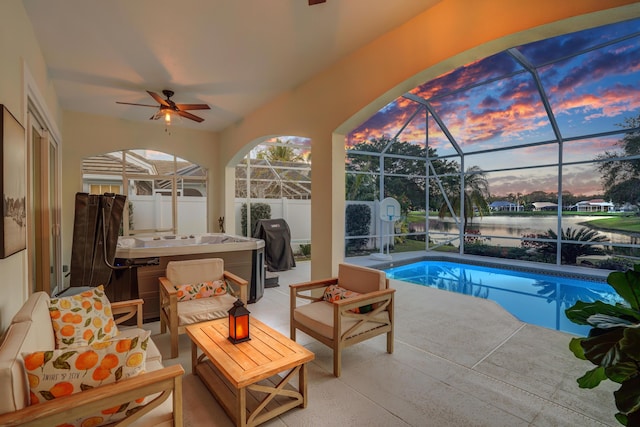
x=613, y=343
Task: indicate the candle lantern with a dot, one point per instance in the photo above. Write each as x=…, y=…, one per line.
x=238, y=323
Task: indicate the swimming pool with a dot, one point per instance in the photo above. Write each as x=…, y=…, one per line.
x=535, y=298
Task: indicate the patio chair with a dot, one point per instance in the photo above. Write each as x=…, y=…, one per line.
x=353, y=307
x=195, y=291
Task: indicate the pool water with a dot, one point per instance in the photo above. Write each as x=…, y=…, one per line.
x=535, y=298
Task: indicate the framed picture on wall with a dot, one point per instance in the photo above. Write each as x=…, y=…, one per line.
x=13, y=181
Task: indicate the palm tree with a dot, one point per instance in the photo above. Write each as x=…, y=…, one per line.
x=280, y=153
x=571, y=251
x=476, y=194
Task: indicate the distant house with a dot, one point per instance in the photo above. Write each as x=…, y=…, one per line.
x=505, y=206
x=544, y=206
x=594, y=205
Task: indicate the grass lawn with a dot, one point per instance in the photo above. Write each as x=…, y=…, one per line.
x=624, y=223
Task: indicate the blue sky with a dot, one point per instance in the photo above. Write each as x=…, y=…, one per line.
x=591, y=79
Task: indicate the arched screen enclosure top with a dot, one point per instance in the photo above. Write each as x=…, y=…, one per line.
x=531, y=153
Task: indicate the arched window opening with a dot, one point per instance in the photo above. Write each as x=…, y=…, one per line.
x=165, y=193
x=528, y=154
x=274, y=181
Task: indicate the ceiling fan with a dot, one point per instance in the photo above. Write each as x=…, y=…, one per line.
x=167, y=107
x=312, y=2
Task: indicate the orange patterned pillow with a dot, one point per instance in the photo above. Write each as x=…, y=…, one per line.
x=334, y=293
x=60, y=372
x=82, y=319
x=201, y=290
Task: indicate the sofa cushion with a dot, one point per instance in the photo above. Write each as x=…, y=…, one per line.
x=60, y=372
x=318, y=316
x=81, y=319
x=200, y=310
x=214, y=288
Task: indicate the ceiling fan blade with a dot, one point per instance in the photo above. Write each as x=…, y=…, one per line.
x=312, y=2
x=140, y=105
x=193, y=107
x=190, y=116
x=159, y=99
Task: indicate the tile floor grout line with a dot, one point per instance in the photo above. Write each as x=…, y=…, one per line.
x=498, y=346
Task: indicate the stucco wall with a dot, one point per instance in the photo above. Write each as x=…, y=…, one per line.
x=18, y=50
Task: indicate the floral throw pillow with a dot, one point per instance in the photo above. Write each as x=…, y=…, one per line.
x=61, y=372
x=80, y=320
x=334, y=293
x=201, y=290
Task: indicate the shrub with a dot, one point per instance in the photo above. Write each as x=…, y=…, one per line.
x=357, y=219
x=305, y=249
x=258, y=211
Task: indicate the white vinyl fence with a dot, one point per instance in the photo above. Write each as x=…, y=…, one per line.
x=154, y=213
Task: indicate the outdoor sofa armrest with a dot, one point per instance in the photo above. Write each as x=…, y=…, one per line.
x=68, y=408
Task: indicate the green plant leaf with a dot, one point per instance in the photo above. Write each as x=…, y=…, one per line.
x=630, y=343
x=622, y=418
x=627, y=285
x=603, y=349
x=622, y=371
x=581, y=311
x=628, y=396
x=576, y=347
x=592, y=378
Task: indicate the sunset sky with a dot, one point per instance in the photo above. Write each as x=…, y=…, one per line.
x=494, y=103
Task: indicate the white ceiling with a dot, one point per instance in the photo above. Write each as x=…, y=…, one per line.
x=234, y=55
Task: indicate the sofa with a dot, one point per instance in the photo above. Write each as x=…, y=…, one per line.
x=31, y=332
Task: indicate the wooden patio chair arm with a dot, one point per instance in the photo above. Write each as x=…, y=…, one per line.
x=314, y=284
x=167, y=287
x=82, y=404
x=241, y=283
x=125, y=310
x=296, y=290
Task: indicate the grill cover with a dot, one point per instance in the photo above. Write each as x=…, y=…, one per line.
x=277, y=243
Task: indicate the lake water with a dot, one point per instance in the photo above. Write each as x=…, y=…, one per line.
x=511, y=226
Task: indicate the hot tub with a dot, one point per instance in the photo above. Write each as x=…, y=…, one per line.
x=147, y=256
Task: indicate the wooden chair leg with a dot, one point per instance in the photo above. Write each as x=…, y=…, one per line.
x=390, y=342
x=163, y=324
x=174, y=343
x=337, y=362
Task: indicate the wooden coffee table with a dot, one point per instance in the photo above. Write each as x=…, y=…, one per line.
x=244, y=377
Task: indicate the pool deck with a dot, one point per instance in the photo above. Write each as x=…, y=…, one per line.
x=458, y=361
x=407, y=257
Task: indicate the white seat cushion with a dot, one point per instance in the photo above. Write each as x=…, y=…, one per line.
x=318, y=316
x=203, y=309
